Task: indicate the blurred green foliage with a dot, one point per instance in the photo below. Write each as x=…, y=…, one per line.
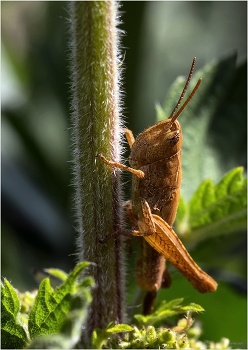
x=37, y=210
x=37, y=329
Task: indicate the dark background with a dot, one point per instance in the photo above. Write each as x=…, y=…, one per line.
x=37, y=210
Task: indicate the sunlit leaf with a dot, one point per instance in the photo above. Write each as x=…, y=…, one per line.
x=166, y=310
x=51, y=307
x=215, y=209
x=13, y=333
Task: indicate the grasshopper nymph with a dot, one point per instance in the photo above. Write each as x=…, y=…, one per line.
x=155, y=162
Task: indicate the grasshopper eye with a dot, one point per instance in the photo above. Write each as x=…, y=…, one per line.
x=173, y=137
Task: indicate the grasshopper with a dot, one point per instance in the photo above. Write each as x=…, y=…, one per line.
x=155, y=162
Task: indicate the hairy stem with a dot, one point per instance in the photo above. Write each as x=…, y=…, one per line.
x=96, y=129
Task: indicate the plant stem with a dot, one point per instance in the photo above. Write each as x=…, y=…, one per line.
x=96, y=129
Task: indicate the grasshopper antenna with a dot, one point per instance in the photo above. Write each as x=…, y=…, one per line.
x=186, y=102
x=185, y=88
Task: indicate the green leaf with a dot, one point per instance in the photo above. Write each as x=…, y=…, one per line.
x=100, y=337
x=27, y=300
x=180, y=337
x=182, y=210
x=57, y=273
x=219, y=209
x=171, y=304
x=161, y=115
x=193, y=307
x=13, y=333
x=56, y=319
x=166, y=310
x=88, y=281
x=120, y=328
x=182, y=217
x=110, y=325
x=51, y=307
x=71, y=329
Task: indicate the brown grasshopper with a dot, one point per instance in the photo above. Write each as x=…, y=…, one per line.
x=155, y=161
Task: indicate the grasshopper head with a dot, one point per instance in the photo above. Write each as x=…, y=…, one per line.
x=160, y=141
x=163, y=139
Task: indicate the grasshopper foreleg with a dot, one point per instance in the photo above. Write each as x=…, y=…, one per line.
x=139, y=173
x=129, y=136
